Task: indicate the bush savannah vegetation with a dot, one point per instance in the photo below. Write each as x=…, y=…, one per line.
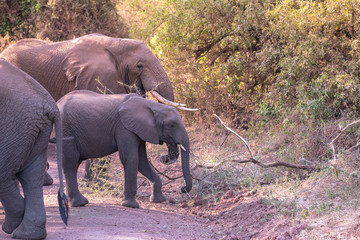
x=284, y=74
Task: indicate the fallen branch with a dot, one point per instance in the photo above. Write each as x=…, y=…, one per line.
x=253, y=160
x=274, y=164
x=277, y=164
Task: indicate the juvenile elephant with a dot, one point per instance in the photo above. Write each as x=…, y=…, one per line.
x=96, y=125
x=28, y=113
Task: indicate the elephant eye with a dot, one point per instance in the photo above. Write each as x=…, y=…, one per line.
x=140, y=66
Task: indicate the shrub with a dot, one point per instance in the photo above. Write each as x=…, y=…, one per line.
x=58, y=19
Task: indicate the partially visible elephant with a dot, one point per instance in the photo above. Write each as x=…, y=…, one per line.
x=96, y=125
x=93, y=62
x=28, y=113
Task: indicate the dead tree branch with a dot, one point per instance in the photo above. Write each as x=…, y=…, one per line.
x=263, y=165
x=242, y=139
x=342, y=130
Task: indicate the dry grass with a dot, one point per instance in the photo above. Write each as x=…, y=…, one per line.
x=327, y=201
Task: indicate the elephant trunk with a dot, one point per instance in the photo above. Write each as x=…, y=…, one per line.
x=165, y=89
x=185, y=164
x=157, y=80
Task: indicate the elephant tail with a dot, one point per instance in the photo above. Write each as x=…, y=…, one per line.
x=62, y=199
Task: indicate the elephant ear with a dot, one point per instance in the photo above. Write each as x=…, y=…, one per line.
x=138, y=118
x=88, y=62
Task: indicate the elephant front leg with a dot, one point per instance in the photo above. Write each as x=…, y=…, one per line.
x=130, y=162
x=146, y=170
x=13, y=203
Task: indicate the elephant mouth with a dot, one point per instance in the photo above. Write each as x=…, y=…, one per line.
x=140, y=88
x=172, y=157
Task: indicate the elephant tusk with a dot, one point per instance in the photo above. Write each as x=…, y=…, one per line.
x=182, y=147
x=165, y=101
x=188, y=109
x=180, y=106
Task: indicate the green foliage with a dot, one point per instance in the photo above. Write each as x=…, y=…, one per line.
x=68, y=18
x=58, y=19
x=319, y=68
x=106, y=178
x=18, y=15
x=229, y=56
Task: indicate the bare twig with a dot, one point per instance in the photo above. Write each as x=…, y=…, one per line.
x=105, y=89
x=253, y=160
x=353, y=147
x=342, y=130
x=242, y=139
x=227, y=135
x=163, y=174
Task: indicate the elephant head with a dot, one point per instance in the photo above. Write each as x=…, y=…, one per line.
x=115, y=65
x=157, y=123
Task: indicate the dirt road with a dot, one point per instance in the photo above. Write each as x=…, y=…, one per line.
x=105, y=218
x=236, y=216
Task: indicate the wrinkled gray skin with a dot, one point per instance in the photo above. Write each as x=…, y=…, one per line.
x=28, y=113
x=96, y=125
x=83, y=62
x=77, y=64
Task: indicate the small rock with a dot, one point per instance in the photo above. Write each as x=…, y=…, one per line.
x=198, y=201
x=172, y=200
x=184, y=205
x=227, y=195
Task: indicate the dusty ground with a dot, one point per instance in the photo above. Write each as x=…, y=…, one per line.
x=235, y=216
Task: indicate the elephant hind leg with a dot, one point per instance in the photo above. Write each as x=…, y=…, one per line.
x=71, y=164
x=31, y=179
x=13, y=204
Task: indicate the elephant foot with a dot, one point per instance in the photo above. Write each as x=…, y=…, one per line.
x=10, y=225
x=29, y=232
x=130, y=203
x=157, y=198
x=78, y=201
x=47, y=180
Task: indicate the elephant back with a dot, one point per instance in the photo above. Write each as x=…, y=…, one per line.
x=42, y=61
x=20, y=88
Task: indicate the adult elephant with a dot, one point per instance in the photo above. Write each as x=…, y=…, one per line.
x=94, y=62
x=28, y=113
x=96, y=125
